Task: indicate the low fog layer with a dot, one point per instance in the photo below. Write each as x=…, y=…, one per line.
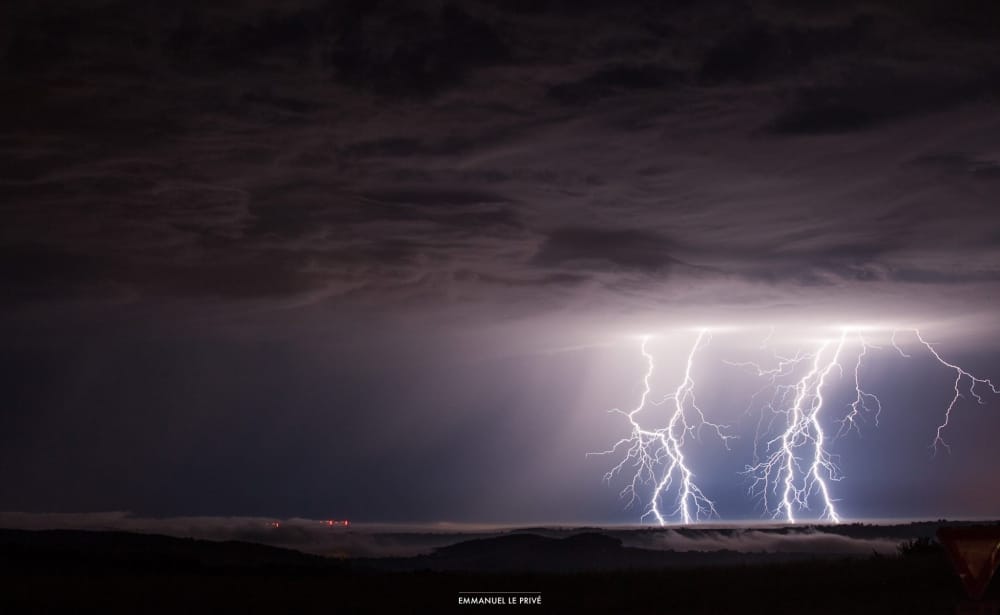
x=370, y=540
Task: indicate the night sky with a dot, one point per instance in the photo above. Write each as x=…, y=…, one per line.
x=391, y=261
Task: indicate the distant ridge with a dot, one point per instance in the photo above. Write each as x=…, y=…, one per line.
x=544, y=550
x=116, y=549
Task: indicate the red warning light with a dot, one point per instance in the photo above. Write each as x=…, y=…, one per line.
x=275, y=524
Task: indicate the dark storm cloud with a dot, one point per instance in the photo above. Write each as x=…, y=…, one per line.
x=802, y=259
x=628, y=248
x=456, y=140
x=44, y=271
x=762, y=51
x=975, y=18
x=614, y=80
x=392, y=146
x=448, y=198
x=990, y=171
x=29, y=269
x=272, y=274
x=473, y=211
x=874, y=100
x=962, y=164
x=413, y=52
x=283, y=103
x=960, y=276
x=197, y=43
x=335, y=150
x=275, y=258
x=552, y=279
x=408, y=147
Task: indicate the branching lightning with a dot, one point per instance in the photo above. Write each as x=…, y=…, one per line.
x=797, y=465
x=793, y=468
x=960, y=374
x=863, y=401
x=657, y=455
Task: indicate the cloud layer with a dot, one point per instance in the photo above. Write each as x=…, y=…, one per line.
x=389, y=259
x=642, y=157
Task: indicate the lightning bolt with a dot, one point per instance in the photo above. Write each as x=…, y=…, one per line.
x=792, y=471
x=863, y=400
x=797, y=465
x=657, y=455
x=960, y=374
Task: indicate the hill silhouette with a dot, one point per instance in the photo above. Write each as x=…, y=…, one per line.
x=589, y=551
x=120, y=572
x=74, y=549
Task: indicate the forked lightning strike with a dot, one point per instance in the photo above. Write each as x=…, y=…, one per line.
x=796, y=469
x=657, y=455
x=798, y=465
x=959, y=375
x=862, y=398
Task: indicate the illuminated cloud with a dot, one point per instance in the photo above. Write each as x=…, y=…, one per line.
x=236, y=239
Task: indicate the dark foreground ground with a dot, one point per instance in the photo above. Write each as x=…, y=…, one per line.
x=115, y=572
